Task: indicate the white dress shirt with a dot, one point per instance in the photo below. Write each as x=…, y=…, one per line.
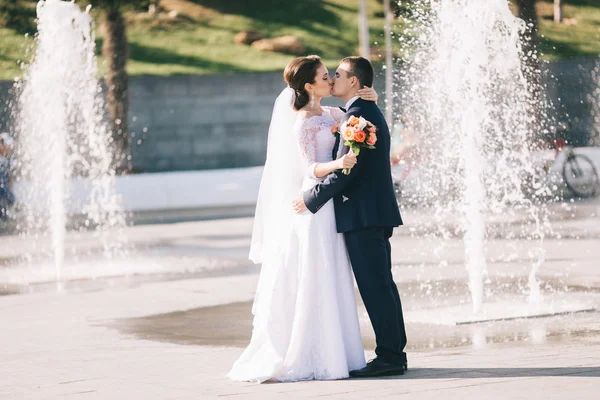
x=349, y=103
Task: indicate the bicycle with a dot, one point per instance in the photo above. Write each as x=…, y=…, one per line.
x=579, y=174
x=578, y=171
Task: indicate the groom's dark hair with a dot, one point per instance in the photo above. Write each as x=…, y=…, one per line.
x=361, y=68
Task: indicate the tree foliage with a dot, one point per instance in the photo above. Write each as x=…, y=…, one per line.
x=121, y=5
x=17, y=15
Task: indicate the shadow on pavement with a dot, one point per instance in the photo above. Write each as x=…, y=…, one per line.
x=471, y=373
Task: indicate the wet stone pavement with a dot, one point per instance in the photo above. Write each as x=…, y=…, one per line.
x=167, y=319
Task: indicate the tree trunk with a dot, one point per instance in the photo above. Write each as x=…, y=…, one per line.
x=528, y=13
x=532, y=64
x=529, y=42
x=115, y=51
x=558, y=11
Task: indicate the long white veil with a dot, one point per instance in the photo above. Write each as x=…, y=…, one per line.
x=280, y=184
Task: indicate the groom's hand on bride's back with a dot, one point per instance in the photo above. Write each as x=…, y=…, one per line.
x=298, y=205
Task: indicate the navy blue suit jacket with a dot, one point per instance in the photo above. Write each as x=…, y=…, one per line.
x=365, y=197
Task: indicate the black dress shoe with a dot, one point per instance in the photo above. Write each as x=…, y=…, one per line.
x=378, y=367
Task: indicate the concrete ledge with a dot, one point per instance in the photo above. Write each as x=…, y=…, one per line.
x=190, y=214
x=175, y=192
x=194, y=195
x=189, y=190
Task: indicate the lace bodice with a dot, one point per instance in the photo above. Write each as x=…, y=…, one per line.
x=315, y=137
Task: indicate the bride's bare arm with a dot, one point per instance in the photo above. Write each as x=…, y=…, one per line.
x=306, y=139
x=368, y=94
x=321, y=170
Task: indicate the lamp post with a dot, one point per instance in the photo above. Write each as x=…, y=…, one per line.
x=363, y=30
x=558, y=11
x=389, y=66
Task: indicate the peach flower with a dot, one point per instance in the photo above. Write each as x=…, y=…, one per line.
x=372, y=139
x=348, y=133
x=353, y=121
x=334, y=129
x=362, y=123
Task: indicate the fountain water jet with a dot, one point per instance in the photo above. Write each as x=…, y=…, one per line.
x=468, y=98
x=64, y=144
x=594, y=99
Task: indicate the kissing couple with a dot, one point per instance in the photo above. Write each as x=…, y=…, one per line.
x=314, y=224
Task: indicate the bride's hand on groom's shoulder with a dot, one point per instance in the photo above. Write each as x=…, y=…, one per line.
x=368, y=94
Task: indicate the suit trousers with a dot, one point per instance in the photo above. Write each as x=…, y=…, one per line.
x=370, y=254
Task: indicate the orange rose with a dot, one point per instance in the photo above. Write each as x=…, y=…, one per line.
x=360, y=136
x=353, y=121
x=372, y=139
x=334, y=129
x=372, y=129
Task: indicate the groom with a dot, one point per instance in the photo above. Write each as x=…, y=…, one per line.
x=366, y=212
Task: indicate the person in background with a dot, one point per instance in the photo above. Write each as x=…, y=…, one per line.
x=7, y=198
x=409, y=142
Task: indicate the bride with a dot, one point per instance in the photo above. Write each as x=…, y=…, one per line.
x=305, y=317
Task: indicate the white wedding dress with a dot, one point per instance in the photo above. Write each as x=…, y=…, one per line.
x=305, y=317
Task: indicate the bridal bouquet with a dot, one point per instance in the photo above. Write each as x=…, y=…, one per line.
x=358, y=133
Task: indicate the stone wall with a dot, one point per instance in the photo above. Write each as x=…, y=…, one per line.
x=205, y=122
x=202, y=122
x=572, y=88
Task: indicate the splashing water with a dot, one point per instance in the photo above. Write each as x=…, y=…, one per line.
x=64, y=146
x=594, y=99
x=472, y=107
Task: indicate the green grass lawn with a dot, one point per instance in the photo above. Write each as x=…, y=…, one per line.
x=199, y=39
x=577, y=37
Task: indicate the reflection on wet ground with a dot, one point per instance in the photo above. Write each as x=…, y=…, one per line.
x=231, y=325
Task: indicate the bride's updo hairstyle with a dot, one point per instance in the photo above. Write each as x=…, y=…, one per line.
x=300, y=71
